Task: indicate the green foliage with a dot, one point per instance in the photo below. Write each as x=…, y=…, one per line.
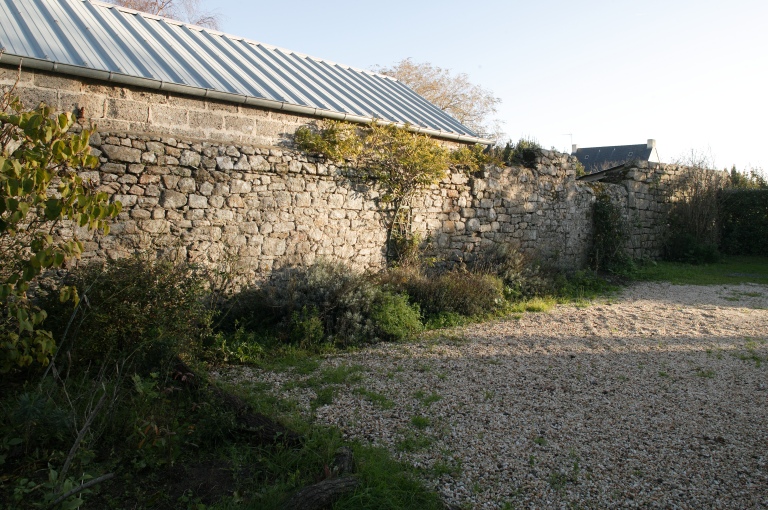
x=609, y=235
x=145, y=311
x=743, y=180
x=522, y=277
x=744, y=221
x=729, y=270
x=523, y=152
x=39, y=187
x=324, y=302
x=693, y=230
x=454, y=291
x=336, y=140
x=395, y=317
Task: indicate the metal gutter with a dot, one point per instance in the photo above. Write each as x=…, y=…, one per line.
x=152, y=84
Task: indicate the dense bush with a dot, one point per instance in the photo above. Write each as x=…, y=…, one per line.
x=454, y=291
x=609, y=235
x=523, y=278
x=147, y=312
x=692, y=234
x=327, y=301
x=744, y=221
x=523, y=152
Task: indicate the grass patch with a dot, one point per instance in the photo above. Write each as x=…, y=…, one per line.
x=730, y=270
x=428, y=400
x=377, y=399
x=342, y=374
x=386, y=484
x=536, y=305
x=420, y=422
x=413, y=442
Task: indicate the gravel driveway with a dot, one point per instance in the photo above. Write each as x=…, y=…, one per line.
x=657, y=397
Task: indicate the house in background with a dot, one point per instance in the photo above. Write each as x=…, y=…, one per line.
x=597, y=159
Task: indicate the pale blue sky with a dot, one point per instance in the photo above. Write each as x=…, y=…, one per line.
x=693, y=74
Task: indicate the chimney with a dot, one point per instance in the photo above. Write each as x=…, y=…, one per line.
x=651, y=143
x=574, y=148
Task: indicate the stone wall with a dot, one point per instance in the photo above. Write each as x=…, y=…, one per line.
x=646, y=192
x=267, y=207
x=542, y=211
x=220, y=183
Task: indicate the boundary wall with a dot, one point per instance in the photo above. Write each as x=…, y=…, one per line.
x=218, y=183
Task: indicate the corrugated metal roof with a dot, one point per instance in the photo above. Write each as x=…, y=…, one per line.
x=102, y=41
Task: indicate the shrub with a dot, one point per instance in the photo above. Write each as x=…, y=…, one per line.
x=146, y=311
x=609, y=235
x=693, y=229
x=39, y=187
x=395, y=318
x=454, y=291
x=744, y=221
x=522, y=277
x=523, y=152
x=326, y=301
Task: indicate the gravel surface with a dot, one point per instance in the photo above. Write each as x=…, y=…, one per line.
x=657, y=397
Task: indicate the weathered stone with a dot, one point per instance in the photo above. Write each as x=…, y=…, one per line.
x=239, y=186
x=121, y=153
x=112, y=168
x=187, y=185
x=189, y=158
x=224, y=163
x=197, y=202
x=273, y=247
x=172, y=199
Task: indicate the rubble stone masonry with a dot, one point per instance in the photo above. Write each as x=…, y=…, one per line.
x=220, y=183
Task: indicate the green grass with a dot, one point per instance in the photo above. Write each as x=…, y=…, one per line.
x=731, y=270
x=377, y=399
x=536, y=305
x=420, y=422
x=342, y=374
x=413, y=442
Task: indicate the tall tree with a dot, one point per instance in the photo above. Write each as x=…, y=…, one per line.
x=470, y=104
x=188, y=11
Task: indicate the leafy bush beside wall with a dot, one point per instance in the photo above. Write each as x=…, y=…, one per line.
x=744, y=221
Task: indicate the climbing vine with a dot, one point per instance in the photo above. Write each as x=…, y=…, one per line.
x=399, y=161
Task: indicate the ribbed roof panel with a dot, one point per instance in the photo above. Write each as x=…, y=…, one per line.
x=117, y=42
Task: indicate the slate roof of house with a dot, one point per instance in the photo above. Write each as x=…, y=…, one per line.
x=596, y=159
x=101, y=41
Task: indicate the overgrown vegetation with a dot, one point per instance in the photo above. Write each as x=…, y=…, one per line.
x=609, y=235
x=692, y=233
x=326, y=302
x=523, y=152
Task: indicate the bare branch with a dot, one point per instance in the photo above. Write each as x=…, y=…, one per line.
x=188, y=11
x=470, y=104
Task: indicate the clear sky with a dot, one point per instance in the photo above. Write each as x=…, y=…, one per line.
x=692, y=74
